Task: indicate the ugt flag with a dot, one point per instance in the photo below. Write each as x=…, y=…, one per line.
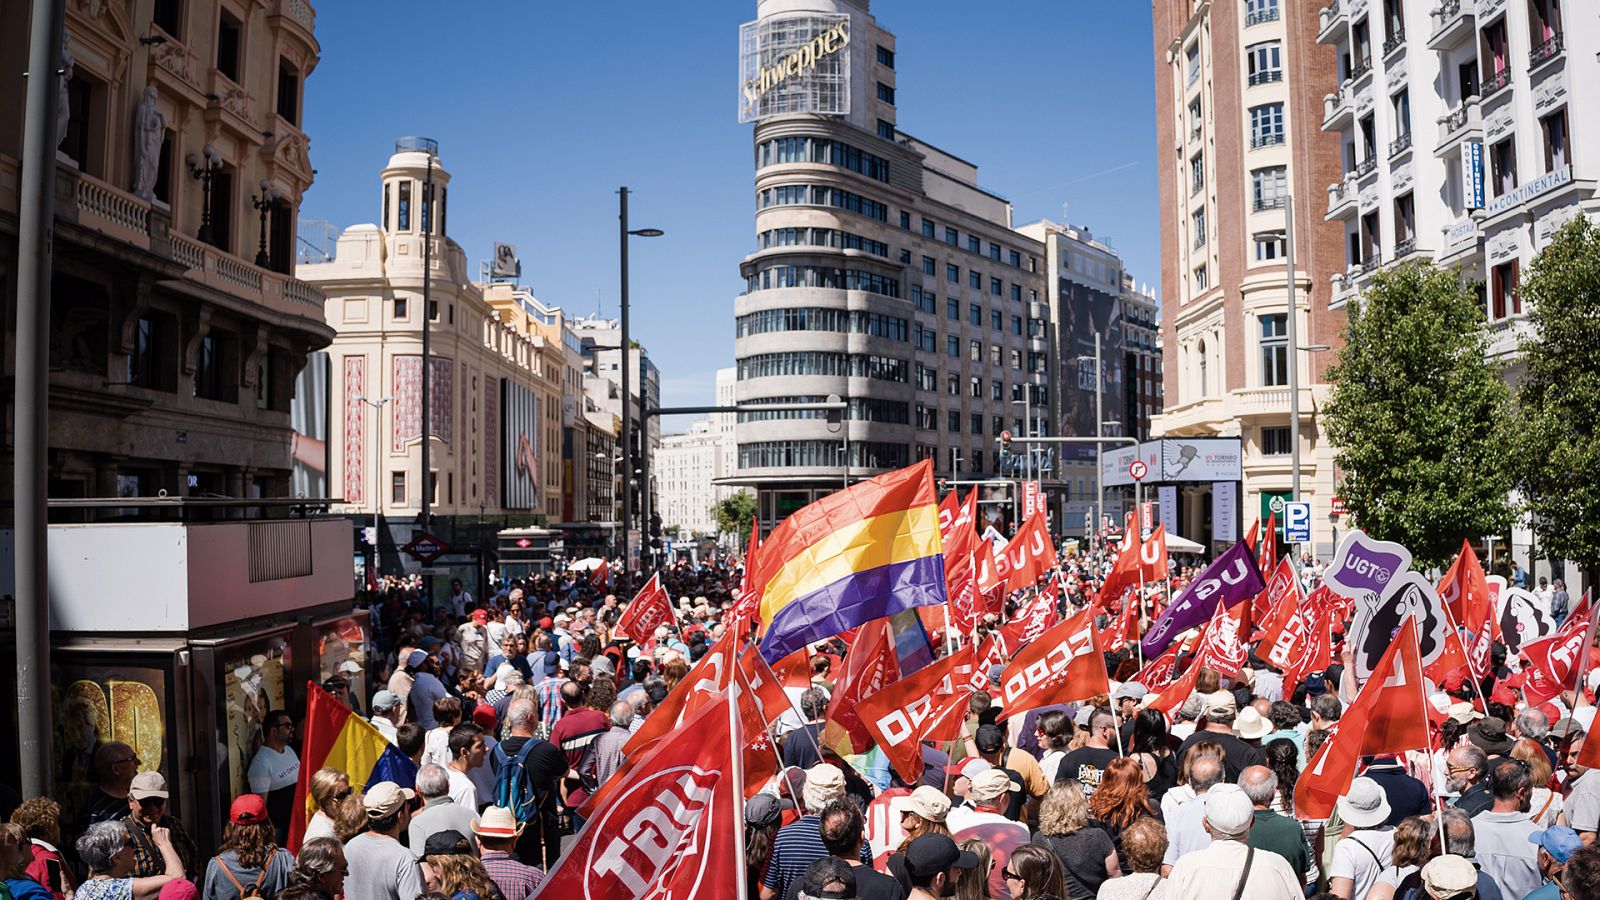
x=1232, y=578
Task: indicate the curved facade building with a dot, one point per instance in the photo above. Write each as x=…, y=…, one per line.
x=881, y=272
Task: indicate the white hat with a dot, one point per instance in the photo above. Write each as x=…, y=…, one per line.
x=990, y=784
x=928, y=802
x=824, y=782
x=1228, y=809
x=1250, y=725
x=1364, y=805
x=349, y=667
x=1222, y=702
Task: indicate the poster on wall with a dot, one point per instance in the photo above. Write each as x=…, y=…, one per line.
x=95, y=705
x=253, y=683
x=1225, y=512
x=308, y=416
x=519, y=446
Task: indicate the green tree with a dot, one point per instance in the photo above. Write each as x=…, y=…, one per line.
x=1558, y=459
x=1420, y=417
x=733, y=514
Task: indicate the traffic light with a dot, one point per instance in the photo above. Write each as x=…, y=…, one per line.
x=655, y=531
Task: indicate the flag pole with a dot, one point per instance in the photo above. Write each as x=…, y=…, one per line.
x=1471, y=675
x=736, y=750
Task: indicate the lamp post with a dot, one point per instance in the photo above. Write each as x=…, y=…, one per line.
x=612, y=515
x=1292, y=335
x=264, y=202
x=623, y=233
x=201, y=168
x=377, y=489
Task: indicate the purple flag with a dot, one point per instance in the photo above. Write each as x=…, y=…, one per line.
x=1232, y=578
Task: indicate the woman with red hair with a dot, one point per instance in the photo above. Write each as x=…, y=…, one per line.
x=1119, y=801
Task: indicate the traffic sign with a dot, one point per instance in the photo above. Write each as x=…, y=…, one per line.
x=426, y=548
x=1297, y=522
x=1137, y=470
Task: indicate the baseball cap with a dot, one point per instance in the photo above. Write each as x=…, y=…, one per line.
x=1448, y=876
x=1222, y=703
x=991, y=783
x=248, y=809
x=989, y=738
x=828, y=878
x=930, y=854
x=970, y=767
x=1132, y=690
x=928, y=802
x=448, y=842
x=480, y=616
x=762, y=810
x=385, y=799
x=385, y=700
x=1228, y=809
x=1558, y=840
x=547, y=623
x=148, y=784
x=416, y=658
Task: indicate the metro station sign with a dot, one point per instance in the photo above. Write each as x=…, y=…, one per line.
x=426, y=548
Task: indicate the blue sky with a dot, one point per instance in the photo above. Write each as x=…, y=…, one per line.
x=542, y=110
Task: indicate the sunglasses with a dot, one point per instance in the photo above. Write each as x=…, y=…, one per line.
x=152, y=802
x=1009, y=875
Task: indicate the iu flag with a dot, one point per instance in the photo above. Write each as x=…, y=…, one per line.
x=868, y=667
x=1029, y=555
x=1063, y=664
x=649, y=609
x=1389, y=715
x=1032, y=620
x=900, y=715
x=673, y=829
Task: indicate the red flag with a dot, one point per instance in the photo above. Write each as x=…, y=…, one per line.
x=1389, y=715
x=601, y=576
x=990, y=578
x=1153, y=555
x=1178, y=691
x=794, y=670
x=1255, y=533
x=708, y=676
x=1222, y=644
x=648, y=610
x=899, y=715
x=1465, y=592
x=1065, y=663
x=1139, y=559
x=1317, y=653
x=867, y=668
x=1551, y=662
x=1286, y=627
x=1267, y=553
x=761, y=702
x=1029, y=555
x=747, y=604
x=1032, y=620
x=673, y=831
x=1125, y=629
x=1158, y=671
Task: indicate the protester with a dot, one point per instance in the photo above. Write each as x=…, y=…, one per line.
x=841, y=827
x=1557, y=845
x=1273, y=832
x=1505, y=851
x=1088, y=856
x=983, y=817
x=608, y=747
x=799, y=844
x=1087, y=764
x=800, y=746
x=1186, y=823
x=439, y=812
x=1145, y=842
x=115, y=765
x=1120, y=801
x=1366, y=844
x=249, y=863
x=530, y=771
x=1228, y=867
x=935, y=865
x=319, y=871
x=40, y=821
x=452, y=868
x=467, y=751
x=275, y=770
x=381, y=867
x=1034, y=872
x=105, y=854
x=147, y=810
x=387, y=707
x=329, y=788
x=1217, y=725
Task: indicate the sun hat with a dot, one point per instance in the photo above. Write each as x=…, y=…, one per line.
x=1131, y=690
x=1489, y=735
x=1250, y=725
x=928, y=802
x=824, y=782
x=1364, y=805
x=496, y=822
x=148, y=784
x=1222, y=703
x=1228, y=809
x=1448, y=876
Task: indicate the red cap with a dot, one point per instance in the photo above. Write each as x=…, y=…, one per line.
x=480, y=616
x=547, y=623
x=483, y=715
x=248, y=809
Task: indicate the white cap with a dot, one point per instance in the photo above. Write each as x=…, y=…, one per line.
x=1228, y=809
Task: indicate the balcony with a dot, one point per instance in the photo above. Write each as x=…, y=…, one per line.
x=1262, y=17
x=1405, y=248
x=1494, y=84
x=1453, y=22
x=1360, y=70
x=1458, y=125
x=1342, y=288
x=1336, y=110
x=1366, y=167
x=1342, y=197
x=1263, y=204
x=1265, y=140
x=1369, y=265
x=1331, y=24
x=1400, y=145
x=1196, y=186
x=1546, y=51
x=1267, y=77
x=1394, y=44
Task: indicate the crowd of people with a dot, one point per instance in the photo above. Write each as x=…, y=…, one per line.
x=518, y=706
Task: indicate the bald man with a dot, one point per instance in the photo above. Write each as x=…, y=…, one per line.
x=115, y=764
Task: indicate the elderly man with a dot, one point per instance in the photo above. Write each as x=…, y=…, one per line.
x=608, y=746
x=1556, y=846
x=497, y=833
x=1466, y=774
x=1272, y=831
x=1186, y=823
x=148, y=811
x=983, y=818
x=387, y=707
x=115, y=765
x=439, y=812
x=801, y=746
x=1504, y=850
x=799, y=844
x=1230, y=867
x=1533, y=724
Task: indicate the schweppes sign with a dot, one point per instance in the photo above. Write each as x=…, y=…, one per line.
x=821, y=51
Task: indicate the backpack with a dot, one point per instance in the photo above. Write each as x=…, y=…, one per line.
x=246, y=891
x=513, y=787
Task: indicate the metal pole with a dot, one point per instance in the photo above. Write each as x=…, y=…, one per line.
x=427, y=319
x=627, y=412
x=1293, y=333
x=1099, y=448
x=35, y=234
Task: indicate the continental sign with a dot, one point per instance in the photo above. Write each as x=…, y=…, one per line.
x=775, y=54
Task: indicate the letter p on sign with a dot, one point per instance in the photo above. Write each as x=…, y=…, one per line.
x=1297, y=523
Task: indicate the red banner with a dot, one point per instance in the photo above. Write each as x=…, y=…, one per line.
x=1551, y=662
x=1222, y=645
x=899, y=715
x=1032, y=620
x=1029, y=555
x=1465, y=592
x=1063, y=664
x=1158, y=672
x=648, y=610
x=867, y=668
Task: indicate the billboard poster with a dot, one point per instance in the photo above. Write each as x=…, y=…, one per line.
x=1086, y=312
x=95, y=705
x=1225, y=512
x=1472, y=174
x=1167, y=500
x=1201, y=459
x=253, y=683
x=519, y=446
x=798, y=63
x=308, y=416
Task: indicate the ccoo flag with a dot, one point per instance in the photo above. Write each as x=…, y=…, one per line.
x=338, y=738
x=868, y=551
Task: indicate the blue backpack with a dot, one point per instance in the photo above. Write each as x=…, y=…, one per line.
x=513, y=787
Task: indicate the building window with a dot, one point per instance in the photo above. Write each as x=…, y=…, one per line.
x=1201, y=279
x=886, y=93
x=975, y=387
x=1016, y=292
x=952, y=309
x=928, y=265
x=885, y=57
x=995, y=286
x=1269, y=247
x=1504, y=299
x=977, y=423
x=230, y=43
x=1258, y=11
x=1198, y=223
x=953, y=421
x=975, y=351
x=1265, y=62
x=1544, y=21
x=1266, y=125
x=1269, y=187
x=927, y=228
x=1405, y=221
x=1556, y=153
x=1016, y=325
x=1503, y=158
x=952, y=273
x=905, y=217
x=1014, y=258
x=1402, y=113
x=1361, y=46
x=1275, y=350
x=400, y=313
x=397, y=488
x=975, y=280
x=952, y=237
x=973, y=244
x=1192, y=60
x=996, y=320
x=222, y=208
x=1195, y=122
x=952, y=384
x=997, y=390
x=952, y=345
x=975, y=314
x=1016, y=360
x=1275, y=441
x=288, y=92
x=1197, y=172
x=403, y=211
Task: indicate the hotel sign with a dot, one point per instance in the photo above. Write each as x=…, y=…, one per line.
x=1472, y=174
x=1531, y=190
x=794, y=64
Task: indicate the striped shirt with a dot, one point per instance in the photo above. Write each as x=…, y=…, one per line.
x=514, y=879
x=795, y=847
x=549, y=691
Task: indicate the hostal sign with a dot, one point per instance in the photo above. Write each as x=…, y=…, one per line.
x=794, y=64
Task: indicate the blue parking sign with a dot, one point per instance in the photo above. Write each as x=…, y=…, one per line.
x=1297, y=522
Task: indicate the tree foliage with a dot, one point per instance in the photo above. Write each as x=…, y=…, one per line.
x=1558, y=459
x=1420, y=417
x=734, y=512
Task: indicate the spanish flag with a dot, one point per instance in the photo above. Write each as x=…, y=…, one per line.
x=334, y=736
x=868, y=551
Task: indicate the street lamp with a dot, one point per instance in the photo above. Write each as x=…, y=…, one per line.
x=377, y=489
x=627, y=412
x=264, y=202
x=202, y=169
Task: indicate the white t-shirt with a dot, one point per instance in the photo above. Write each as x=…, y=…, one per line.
x=1363, y=868
x=436, y=747
x=271, y=770
x=462, y=790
